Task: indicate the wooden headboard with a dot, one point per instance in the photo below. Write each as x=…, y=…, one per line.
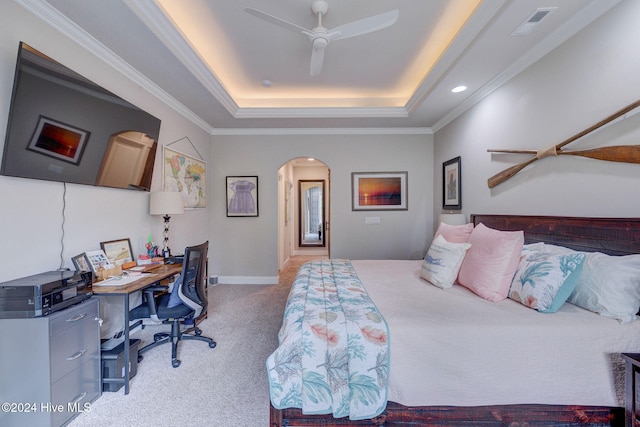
x=613, y=236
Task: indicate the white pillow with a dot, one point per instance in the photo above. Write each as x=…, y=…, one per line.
x=443, y=261
x=609, y=285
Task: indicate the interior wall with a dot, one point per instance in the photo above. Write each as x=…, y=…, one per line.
x=583, y=81
x=285, y=214
x=245, y=249
x=33, y=212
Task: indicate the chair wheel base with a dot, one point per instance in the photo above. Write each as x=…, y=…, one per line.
x=175, y=363
x=160, y=336
x=212, y=345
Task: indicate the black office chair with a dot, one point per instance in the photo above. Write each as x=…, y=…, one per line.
x=186, y=302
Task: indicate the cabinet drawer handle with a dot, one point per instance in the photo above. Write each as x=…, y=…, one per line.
x=78, y=317
x=79, y=398
x=76, y=355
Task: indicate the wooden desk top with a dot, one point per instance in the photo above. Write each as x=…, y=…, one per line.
x=150, y=278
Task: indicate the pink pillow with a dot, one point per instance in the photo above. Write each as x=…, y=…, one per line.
x=491, y=262
x=454, y=233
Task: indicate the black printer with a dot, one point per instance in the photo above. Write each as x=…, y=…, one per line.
x=44, y=293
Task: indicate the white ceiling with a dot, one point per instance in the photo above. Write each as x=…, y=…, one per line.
x=208, y=58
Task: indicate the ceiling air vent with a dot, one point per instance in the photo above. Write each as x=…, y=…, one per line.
x=534, y=19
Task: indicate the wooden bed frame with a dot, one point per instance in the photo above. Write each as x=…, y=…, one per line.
x=614, y=236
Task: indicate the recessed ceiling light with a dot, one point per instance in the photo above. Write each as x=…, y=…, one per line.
x=266, y=83
x=459, y=89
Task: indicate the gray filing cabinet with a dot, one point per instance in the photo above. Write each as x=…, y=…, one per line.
x=50, y=366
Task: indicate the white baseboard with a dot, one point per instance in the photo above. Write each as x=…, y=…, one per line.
x=248, y=280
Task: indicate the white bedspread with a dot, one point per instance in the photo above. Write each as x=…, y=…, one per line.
x=451, y=347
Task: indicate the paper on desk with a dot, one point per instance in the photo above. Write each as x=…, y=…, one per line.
x=112, y=281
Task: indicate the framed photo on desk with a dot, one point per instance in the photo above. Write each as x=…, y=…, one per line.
x=81, y=262
x=118, y=251
x=97, y=260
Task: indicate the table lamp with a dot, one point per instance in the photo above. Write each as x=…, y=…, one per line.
x=166, y=203
x=453, y=218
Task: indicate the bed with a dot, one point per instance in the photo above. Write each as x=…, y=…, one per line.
x=515, y=369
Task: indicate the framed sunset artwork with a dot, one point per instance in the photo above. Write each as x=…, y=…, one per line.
x=375, y=191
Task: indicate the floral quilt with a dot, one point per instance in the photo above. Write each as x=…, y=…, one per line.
x=333, y=356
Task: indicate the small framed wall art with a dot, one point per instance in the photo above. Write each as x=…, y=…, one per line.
x=379, y=191
x=242, y=196
x=451, y=184
x=185, y=174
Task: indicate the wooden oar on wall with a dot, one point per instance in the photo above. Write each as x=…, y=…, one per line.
x=614, y=153
x=626, y=154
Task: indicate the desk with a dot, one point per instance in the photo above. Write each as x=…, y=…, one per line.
x=150, y=278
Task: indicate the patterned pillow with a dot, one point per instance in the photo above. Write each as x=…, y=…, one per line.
x=443, y=261
x=544, y=281
x=609, y=285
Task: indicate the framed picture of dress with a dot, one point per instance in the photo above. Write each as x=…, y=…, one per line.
x=242, y=196
x=451, y=187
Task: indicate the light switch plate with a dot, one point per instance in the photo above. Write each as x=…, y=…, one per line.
x=372, y=220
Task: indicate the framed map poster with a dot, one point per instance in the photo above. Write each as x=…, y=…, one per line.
x=184, y=174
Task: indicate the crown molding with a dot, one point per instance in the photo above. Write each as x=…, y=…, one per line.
x=323, y=131
x=337, y=112
x=478, y=21
x=578, y=22
x=61, y=23
x=152, y=15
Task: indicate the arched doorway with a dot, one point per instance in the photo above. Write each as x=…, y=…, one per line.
x=294, y=226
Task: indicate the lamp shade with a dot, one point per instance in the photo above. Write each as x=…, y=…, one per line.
x=165, y=203
x=453, y=218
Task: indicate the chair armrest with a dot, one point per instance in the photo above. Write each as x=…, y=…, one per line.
x=151, y=300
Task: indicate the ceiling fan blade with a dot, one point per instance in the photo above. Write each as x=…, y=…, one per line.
x=317, y=56
x=279, y=22
x=364, y=26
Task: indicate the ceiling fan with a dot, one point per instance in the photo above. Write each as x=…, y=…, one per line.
x=321, y=36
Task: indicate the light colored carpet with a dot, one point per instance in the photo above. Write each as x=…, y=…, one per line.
x=224, y=386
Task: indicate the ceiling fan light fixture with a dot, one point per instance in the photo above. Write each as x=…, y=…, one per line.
x=321, y=36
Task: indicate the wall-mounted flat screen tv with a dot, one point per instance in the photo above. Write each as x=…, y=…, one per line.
x=63, y=127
